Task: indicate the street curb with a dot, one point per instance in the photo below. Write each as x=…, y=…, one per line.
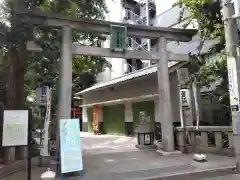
x=19, y=165
x=197, y=174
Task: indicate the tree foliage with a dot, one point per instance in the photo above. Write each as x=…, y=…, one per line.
x=208, y=15
x=211, y=66
x=34, y=69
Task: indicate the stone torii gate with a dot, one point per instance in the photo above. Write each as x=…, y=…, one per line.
x=104, y=27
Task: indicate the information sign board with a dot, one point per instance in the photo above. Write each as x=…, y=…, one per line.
x=15, y=128
x=70, y=146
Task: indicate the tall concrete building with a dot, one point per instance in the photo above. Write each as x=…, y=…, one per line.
x=133, y=12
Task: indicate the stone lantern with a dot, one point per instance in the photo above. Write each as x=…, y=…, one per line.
x=145, y=132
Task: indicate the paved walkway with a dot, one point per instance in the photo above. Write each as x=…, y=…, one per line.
x=230, y=177
x=116, y=158
x=137, y=166
x=102, y=144
x=140, y=165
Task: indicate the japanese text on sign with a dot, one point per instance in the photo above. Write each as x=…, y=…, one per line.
x=70, y=146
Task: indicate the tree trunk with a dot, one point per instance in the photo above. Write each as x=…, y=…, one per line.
x=15, y=82
x=15, y=92
x=197, y=101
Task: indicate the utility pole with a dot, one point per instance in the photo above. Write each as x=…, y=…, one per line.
x=231, y=38
x=148, y=24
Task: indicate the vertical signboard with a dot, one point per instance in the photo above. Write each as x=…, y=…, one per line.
x=43, y=98
x=44, y=149
x=233, y=83
x=234, y=95
x=236, y=123
x=43, y=95
x=185, y=97
x=70, y=146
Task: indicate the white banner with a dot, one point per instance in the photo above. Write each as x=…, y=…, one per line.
x=233, y=83
x=44, y=149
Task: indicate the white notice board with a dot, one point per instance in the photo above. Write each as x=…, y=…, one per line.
x=15, y=128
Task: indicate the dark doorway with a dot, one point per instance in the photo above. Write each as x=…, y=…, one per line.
x=77, y=114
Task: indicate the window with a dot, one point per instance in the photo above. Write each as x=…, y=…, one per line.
x=137, y=10
x=118, y=38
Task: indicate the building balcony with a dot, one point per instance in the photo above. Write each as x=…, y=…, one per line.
x=152, y=7
x=133, y=18
x=141, y=3
x=133, y=2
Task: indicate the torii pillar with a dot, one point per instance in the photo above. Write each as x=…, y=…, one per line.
x=65, y=82
x=164, y=100
x=65, y=91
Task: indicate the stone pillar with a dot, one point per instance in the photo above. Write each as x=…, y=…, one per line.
x=129, y=129
x=164, y=100
x=134, y=64
x=84, y=119
x=65, y=91
x=9, y=155
x=24, y=152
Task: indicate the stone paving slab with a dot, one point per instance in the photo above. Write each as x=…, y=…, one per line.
x=142, y=160
x=22, y=174
x=230, y=177
x=116, y=158
x=142, y=175
x=140, y=165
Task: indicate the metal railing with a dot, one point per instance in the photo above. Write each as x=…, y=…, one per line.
x=130, y=15
x=144, y=1
x=134, y=45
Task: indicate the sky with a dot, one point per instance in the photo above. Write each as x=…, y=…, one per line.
x=164, y=5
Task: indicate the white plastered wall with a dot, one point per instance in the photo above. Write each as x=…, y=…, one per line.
x=136, y=88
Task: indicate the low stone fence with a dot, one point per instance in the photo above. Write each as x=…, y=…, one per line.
x=206, y=139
